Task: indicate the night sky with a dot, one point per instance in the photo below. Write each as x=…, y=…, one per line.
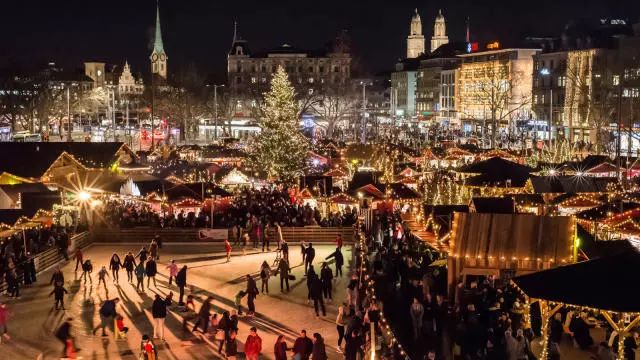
x=33, y=32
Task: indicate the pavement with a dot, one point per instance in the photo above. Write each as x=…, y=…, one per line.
x=34, y=319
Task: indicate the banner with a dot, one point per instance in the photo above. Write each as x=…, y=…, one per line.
x=212, y=234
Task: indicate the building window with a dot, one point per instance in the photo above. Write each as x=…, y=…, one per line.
x=310, y=69
x=253, y=80
x=238, y=80
x=562, y=81
x=310, y=80
x=336, y=69
x=616, y=80
x=321, y=69
x=263, y=68
x=274, y=68
x=310, y=91
x=263, y=80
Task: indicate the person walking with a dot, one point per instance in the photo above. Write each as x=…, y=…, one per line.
x=339, y=241
x=326, y=275
x=227, y=249
x=253, y=345
x=140, y=277
x=159, y=312
x=284, y=270
x=279, y=236
x=129, y=265
x=319, y=351
x=316, y=295
x=230, y=345
x=102, y=275
x=265, y=235
x=416, y=310
x=87, y=269
x=252, y=292
x=310, y=255
x=114, y=266
x=78, y=257
x=280, y=348
x=302, y=347
x=107, y=314
x=203, y=316
x=339, y=261
x=63, y=333
x=354, y=345
x=284, y=248
x=224, y=326
x=151, y=269
x=13, y=286
x=173, y=270
x=265, y=274
x=340, y=323
x=58, y=292
x=303, y=250
x=181, y=282
x=153, y=250
x=143, y=254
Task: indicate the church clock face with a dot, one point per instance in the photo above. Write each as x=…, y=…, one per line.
x=154, y=57
x=162, y=57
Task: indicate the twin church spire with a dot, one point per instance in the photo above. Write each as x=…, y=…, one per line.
x=416, y=41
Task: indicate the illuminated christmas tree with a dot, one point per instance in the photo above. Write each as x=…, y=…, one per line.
x=280, y=148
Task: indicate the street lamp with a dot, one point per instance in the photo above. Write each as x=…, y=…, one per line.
x=546, y=72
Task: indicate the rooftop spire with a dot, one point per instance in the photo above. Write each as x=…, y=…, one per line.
x=158, y=47
x=235, y=31
x=468, y=33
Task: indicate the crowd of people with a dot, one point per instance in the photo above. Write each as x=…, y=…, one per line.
x=17, y=263
x=250, y=206
x=486, y=318
x=355, y=313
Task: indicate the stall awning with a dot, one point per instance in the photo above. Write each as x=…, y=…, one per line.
x=606, y=283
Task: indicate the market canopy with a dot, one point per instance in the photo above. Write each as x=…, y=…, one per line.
x=497, y=165
x=606, y=283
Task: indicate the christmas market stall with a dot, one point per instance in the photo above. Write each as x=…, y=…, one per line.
x=504, y=245
x=603, y=286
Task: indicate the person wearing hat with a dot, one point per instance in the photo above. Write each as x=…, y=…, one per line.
x=253, y=345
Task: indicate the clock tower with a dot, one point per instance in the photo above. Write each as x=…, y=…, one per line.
x=158, y=56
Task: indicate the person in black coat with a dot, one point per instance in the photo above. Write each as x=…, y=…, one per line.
x=114, y=266
x=203, y=315
x=284, y=270
x=316, y=295
x=181, y=282
x=57, y=277
x=63, y=334
x=310, y=254
x=159, y=312
x=58, y=292
x=252, y=292
x=326, y=275
x=339, y=261
x=129, y=265
x=151, y=269
x=354, y=346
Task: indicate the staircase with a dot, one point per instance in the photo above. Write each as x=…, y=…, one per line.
x=418, y=229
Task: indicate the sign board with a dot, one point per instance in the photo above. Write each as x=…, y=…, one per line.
x=472, y=47
x=213, y=234
x=493, y=45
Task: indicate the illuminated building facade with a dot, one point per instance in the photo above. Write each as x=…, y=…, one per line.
x=494, y=84
x=415, y=40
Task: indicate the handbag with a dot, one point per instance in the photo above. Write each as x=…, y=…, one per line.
x=292, y=277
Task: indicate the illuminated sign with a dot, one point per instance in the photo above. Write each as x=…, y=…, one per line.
x=471, y=47
x=493, y=45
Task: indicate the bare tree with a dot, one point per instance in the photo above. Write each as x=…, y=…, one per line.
x=501, y=91
x=591, y=92
x=332, y=105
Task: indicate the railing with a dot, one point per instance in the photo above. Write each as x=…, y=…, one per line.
x=314, y=234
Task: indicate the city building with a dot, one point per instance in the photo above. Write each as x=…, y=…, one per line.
x=494, y=85
x=158, y=56
x=578, y=78
x=415, y=40
x=439, y=37
x=403, y=88
x=128, y=84
x=435, y=87
x=310, y=71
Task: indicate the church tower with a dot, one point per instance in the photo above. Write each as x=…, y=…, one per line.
x=415, y=40
x=158, y=56
x=439, y=32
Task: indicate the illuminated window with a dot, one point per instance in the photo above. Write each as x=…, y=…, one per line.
x=616, y=80
x=253, y=80
x=562, y=81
